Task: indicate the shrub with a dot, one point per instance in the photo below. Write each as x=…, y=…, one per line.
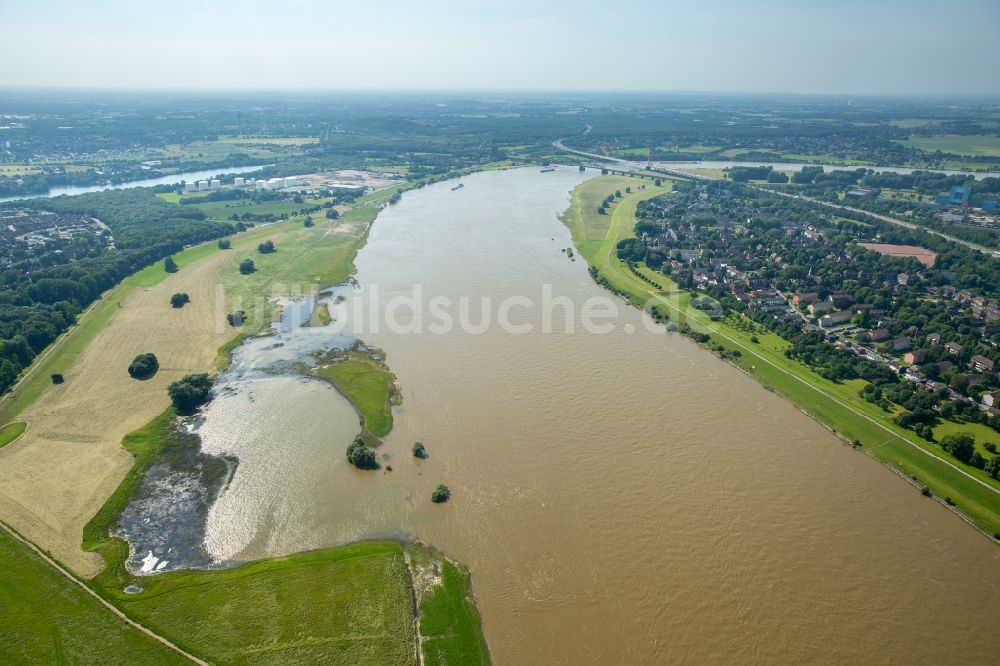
x=169, y=265
x=179, y=300
x=440, y=494
x=247, y=267
x=189, y=392
x=143, y=366
x=359, y=455
x=419, y=451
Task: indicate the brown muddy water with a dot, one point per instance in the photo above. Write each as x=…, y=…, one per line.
x=619, y=498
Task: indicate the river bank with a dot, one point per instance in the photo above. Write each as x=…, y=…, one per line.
x=834, y=405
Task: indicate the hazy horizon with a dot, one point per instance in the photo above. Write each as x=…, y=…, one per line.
x=923, y=48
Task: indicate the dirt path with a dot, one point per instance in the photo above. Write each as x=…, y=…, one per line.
x=58, y=567
x=65, y=466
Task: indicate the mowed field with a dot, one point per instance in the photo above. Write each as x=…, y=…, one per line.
x=70, y=459
x=958, y=144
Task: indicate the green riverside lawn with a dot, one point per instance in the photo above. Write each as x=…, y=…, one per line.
x=837, y=405
x=45, y=619
x=347, y=605
x=368, y=385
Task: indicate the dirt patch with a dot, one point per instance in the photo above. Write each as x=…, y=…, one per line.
x=70, y=460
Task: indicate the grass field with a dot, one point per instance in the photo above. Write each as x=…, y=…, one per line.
x=837, y=405
x=368, y=385
x=349, y=605
x=958, y=144
x=46, y=618
x=11, y=431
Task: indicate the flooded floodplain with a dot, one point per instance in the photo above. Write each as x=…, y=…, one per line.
x=620, y=496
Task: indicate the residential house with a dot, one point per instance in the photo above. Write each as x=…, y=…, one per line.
x=934, y=338
x=954, y=348
x=806, y=298
x=878, y=334
x=992, y=399
x=914, y=357
x=834, y=318
x=982, y=364
x=820, y=307
x=901, y=344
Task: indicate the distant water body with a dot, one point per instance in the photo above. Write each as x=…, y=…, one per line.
x=172, y=179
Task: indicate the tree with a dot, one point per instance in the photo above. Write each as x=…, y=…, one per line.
x=961, y=445
x=308, y=222
x=267, y=247
x=441, y=494
x=224, y=244
x=169, y=265
x=247, y=267
x=57, y=378
x=236, y=318
x=143, y=366
x=359, y=455
x=189, y=392
x=419, y=451
x=179, y=300
x=332, y=214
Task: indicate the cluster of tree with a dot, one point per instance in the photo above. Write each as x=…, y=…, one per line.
x=143, y=366
x=189, y=392
x=237, y=318
x=441, y=494
x=359, y=455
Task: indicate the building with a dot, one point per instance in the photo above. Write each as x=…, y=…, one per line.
x=805, y=299
x=901, y=344
x=934, y=338
x=954, y=348
x=215, y=184
x=834, y=318
x=202, y=185
x=190, y=187
x=238, y=182
x=957, y=196
x=914, y=357
x=992, y=399
x=982, y=364
x=819, y=308
x=878, y=334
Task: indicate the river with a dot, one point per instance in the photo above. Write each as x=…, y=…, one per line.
x=620, y=497
x=172, y=179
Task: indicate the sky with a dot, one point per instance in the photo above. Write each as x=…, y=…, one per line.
x=908, y=47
